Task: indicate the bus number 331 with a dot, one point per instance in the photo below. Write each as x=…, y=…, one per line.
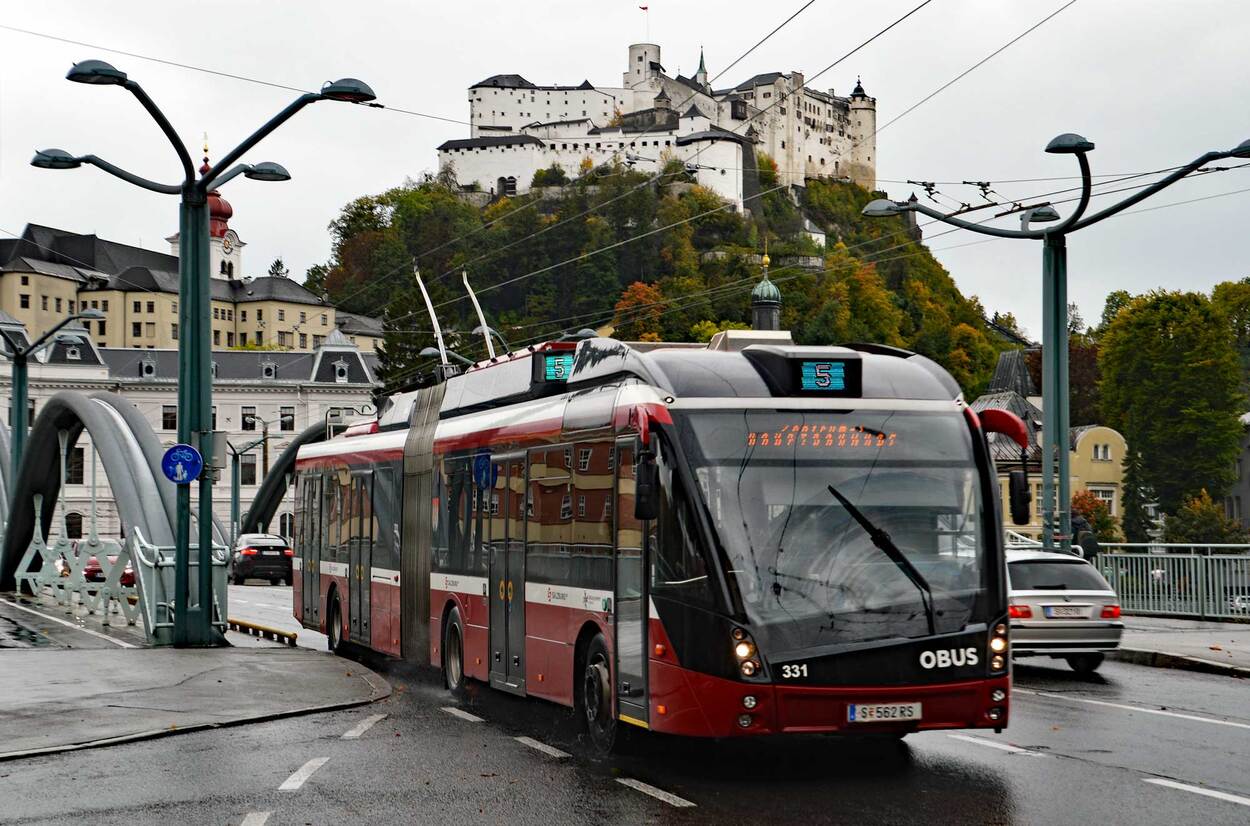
x=791, y=672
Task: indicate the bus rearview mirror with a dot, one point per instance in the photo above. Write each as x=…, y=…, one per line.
x=646, y=487
x=1019, y=496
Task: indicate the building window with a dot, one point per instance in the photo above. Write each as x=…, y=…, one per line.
x=151, y=306
x=71, y=305
x=173, y=330
x=1106, y=495
x=73, y=525
x=102, y=328
x=303, y=317
x=583, y=459
x=74, y=473
x=149, y=329
x=214, y=417
x=242, y=339
x=23, y=301
x=216, y=338
x=260, y=315
x=73, y=354
x=324, y=320
x=303, y=341
x=217, y=313
x=281, y=314
x=247, y=469
x=104, y=305
x=136, y=329
x=242, y=315
x=43, y=302
x=287, y=417
x=25, y=280
x=318, y=341
x=229, y=339
x=169, y=417
x=247, y=418
x=138, y=306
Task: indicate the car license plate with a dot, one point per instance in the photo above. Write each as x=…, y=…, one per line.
x=1066, y=611
x=881, y=712
x=270, y=553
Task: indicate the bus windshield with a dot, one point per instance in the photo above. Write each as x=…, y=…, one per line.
x=809, y=574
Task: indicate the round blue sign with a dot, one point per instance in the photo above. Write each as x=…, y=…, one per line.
x=484, y=471
x=182, y=464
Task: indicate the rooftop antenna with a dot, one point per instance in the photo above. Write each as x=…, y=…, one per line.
x=429, y=307
x=490, y=345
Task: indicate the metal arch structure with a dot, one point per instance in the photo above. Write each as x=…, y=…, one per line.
x=273, y=487
x=4, y=477
x=146, y=502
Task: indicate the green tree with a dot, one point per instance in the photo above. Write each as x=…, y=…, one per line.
x=1200, y=519
x=1116, y=300
x=1136, y=521
x=1171, y=386
x=553, y=175
x=278, y=270
x=704, y=330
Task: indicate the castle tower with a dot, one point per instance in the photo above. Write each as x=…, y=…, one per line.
x=765, y=302
x=643, y=60
x=700, y=77
x=225, y=250
x=861, y=160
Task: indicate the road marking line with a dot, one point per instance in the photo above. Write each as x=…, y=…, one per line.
x=59, y=621
x=363, y=726
x=995, y=745
x=1143, y=710
x=1172, y=784
x=658, y=794
x=302, y=774
x=255, y=819
x=550, y=751
x=463, y=715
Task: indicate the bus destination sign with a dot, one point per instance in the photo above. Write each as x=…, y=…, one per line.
x=842, y=378
x=557, y=366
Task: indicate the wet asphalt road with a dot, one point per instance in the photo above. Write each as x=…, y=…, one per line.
x=1090, y=751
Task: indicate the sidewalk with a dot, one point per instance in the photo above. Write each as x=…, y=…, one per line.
x=57, y=698
x=1213, y=647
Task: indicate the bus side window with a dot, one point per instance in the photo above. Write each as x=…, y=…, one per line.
x=458, y=514
x=549, y=518
x=385, y=518
x=592, y=513
x=678, y=568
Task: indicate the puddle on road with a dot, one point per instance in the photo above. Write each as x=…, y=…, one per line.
x=13, y=635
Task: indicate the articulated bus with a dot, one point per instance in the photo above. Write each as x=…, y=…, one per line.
x=731, y=540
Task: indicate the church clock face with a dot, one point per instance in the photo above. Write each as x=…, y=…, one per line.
x=227, y=243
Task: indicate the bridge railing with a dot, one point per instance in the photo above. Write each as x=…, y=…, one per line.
x=154, y=566
x=1198, y=581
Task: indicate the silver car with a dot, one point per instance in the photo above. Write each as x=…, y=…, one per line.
x=1060, y=606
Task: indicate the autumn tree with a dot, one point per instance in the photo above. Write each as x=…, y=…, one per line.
x=638, y=313
x=1097, y=514
x=1199, y=519
x=1171, y=387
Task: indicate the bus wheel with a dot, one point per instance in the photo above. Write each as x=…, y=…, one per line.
x=594, y=699
x=1085, y=664
x=453, y=654
x=334, y=628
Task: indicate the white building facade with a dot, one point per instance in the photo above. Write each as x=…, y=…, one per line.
x=519, y=127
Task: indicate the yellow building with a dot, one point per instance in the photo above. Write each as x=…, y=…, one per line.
x=48, y=274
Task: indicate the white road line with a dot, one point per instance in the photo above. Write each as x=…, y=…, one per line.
x=59, y=621
x=363, y=726
x=658, y=794
x=1142, y=709
x=255, y=819
x=302, y=774
x=1172, y=784
x=994, y=744
x=550, y=751
x=463, y=715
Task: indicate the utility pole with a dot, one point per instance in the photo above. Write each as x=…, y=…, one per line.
x=193, y=621
x=1056, y=496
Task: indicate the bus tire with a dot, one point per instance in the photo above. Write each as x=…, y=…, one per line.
x=334, y=627
x=453, y=654
x=594, y=696
x=1084, y=664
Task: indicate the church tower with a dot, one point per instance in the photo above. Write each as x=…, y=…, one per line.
x=700, y=77
x=765, y=302
x=225, y=250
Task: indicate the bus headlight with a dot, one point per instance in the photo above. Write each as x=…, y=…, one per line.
x=997, y=663
x=745, y=651
x=998, y=644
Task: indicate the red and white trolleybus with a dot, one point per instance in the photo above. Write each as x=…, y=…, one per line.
x=740, y=539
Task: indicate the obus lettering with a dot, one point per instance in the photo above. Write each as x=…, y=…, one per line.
x=949, y=657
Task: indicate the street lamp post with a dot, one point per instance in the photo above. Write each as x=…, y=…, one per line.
x=21, y=358
x=264, y=432
x=194, y=625
x=1055, y=396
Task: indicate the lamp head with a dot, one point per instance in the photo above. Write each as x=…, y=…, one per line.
x=1242, y=150
x=54, y=159
x=429, y=353
x=97, y=73
x=348, y=90
x=70, y=338
x=883, y=208
x=267, y=171
x=91, y=314
x=1069, y=143
x=1043, y=214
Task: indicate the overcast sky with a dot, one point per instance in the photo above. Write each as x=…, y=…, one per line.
x=1154, y=83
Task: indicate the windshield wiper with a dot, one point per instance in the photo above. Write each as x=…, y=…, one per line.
x=883, y=541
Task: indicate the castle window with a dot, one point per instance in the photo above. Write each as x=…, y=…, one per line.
x=25, y=280
x=138, y=307
x=104, y=305
x=223, y=267
x=23, y=301
x=43, y=302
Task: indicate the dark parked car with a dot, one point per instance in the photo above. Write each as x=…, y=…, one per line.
x=261, y=556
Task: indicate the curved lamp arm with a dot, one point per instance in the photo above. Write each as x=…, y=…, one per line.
x=205, y=183
x=1151, y=190
x=130, y=177
x=968, y=225
x=157, y=115
x=231, y=174
x=1087, y=187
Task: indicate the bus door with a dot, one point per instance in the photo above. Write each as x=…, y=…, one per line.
x=630, y=591
x=504, y=499
x=310, y=551
x=360, y=555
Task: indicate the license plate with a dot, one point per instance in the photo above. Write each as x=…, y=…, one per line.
x=271, y=553
x=881, y=712
x=1066, y=611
